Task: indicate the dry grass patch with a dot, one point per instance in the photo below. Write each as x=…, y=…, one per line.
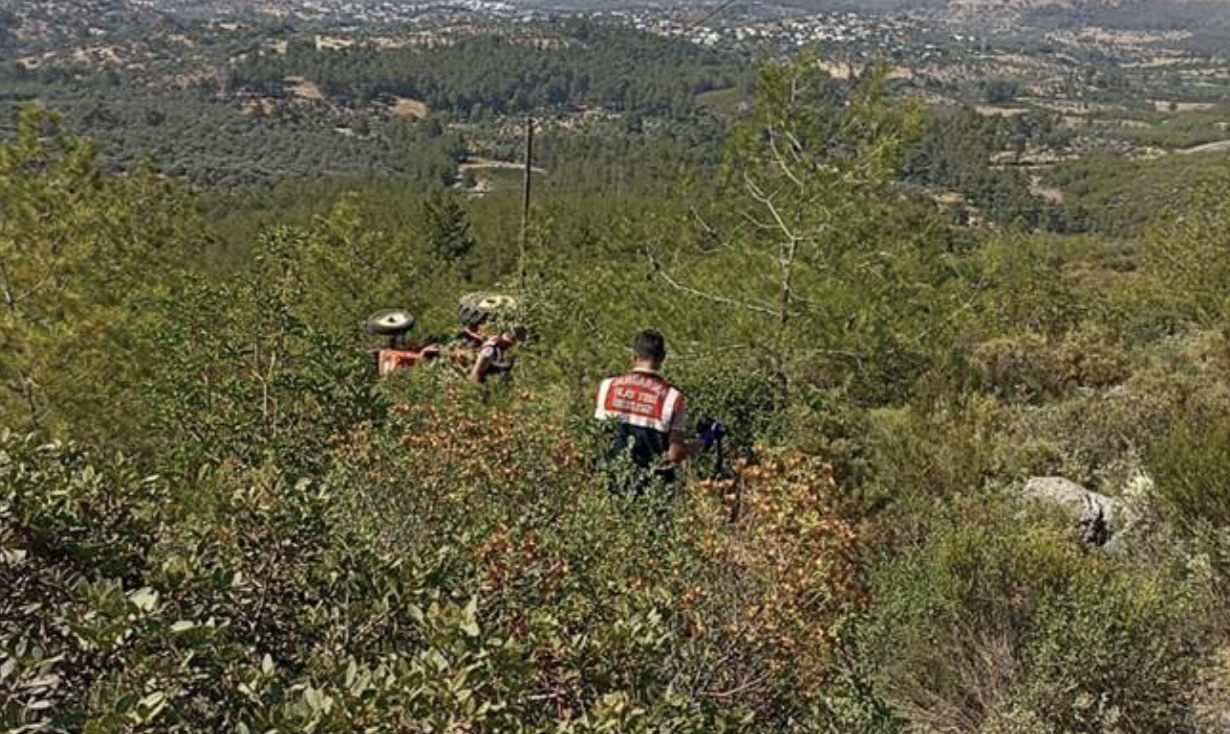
x=301, y=88
x=406, y=107
x=1163, y=105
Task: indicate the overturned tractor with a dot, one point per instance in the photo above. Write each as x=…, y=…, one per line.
x=478, y=314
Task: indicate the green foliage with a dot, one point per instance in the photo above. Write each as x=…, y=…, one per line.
x=296, y=547
x=954, y=152
x=250, y=370
x=999, y=91
x=1108, y=194
x=933, y=452
x=1001, y=618
x=782, y=258
x=1188, y=254
x=248, y=608
x=223, y=143
x=1024, y=287
x=1191, y=471
x=749, y=403
x=1029, y=367
x=573, y=63
x=504, y=577
x=1114, y=651
x=448, y=231
x=1017, y=367
x=80, y=257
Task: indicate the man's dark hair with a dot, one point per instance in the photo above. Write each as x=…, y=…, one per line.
x=650, y=345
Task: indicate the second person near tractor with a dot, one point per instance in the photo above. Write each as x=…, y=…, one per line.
x=493, y=356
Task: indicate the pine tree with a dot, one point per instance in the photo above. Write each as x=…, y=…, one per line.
x=448, y=231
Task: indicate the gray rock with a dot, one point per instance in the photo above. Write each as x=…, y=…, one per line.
x=1096, y=513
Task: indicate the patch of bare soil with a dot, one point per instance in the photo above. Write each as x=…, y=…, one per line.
x=301, y=88
x=987, y=110
x=476, y=164
x=333, y=43
x=1162, y=105
x=1221, y=146
x=1049, y=194
x=258, y=106
x=482, y=187
x=406, y=107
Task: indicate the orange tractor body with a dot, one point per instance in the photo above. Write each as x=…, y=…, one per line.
x=398, y=355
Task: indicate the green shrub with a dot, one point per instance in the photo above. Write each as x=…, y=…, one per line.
x=449, y=570
x=1002, y=623
x=1018, y=368
x=1192, y=470
x=937, y=451
x=1091, y=356
x=748, y=402
x=1115, y=651
x=1192, y=479
x=1098, y=439
x=130, y=612
x=560, y=561
x=245, y=373
x=1185, y=256
x=1033, y=368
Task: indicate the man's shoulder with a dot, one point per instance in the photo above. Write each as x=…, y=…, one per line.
x=643, y=377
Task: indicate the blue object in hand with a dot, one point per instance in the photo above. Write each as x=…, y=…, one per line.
x=709, y=431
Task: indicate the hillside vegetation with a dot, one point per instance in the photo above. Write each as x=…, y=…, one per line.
x=212, y=518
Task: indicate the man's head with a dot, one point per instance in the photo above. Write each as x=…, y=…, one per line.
x=649, y=349
x=517, y=332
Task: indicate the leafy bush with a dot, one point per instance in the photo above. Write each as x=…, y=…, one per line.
x=555, y=552
x=81, y=257
x=1018, y=367
x=248, y=370
x=750, y=403
x=1098, y=439
x=1192, y=469
x=450, y=570
x=1191, y=478
x=1185, y=256
x=1091, y=356
x=936, y=451
x=1115, y=651
x=252, y=610
x=1001, y=619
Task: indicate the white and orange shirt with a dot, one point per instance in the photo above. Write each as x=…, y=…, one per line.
x=642, y=399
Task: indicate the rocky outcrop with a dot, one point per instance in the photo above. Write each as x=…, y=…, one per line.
x=1097, y=514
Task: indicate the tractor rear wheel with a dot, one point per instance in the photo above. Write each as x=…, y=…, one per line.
x=477, y=309
x=390, y=322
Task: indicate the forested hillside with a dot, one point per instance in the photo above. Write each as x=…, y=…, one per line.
x=976, y=473
x=578, y=65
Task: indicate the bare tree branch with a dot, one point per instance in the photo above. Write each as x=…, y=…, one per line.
x=25, y=383
x=710, y=232
x=969, y=304
x=764, y=199
x=742, y=688
x=673, y=283
x=33, y=289
x=781, y=160
x=6, y=287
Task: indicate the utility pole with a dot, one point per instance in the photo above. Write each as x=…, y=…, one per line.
x=526, y=192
